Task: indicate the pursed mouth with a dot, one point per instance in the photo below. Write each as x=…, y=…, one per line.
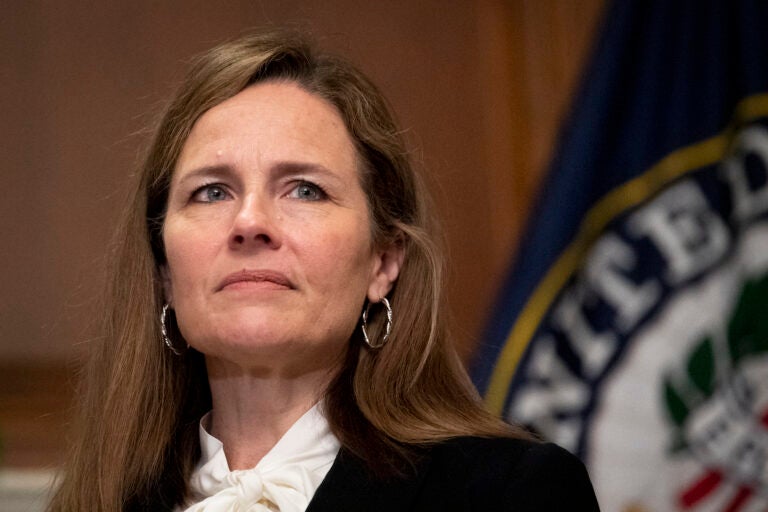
x=256, y=276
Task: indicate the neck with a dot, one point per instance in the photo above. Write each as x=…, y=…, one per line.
x=252, y=409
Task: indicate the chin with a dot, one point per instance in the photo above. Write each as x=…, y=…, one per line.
x=243, y=340
x=272, y=355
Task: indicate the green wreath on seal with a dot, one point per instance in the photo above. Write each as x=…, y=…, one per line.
x=747, y=336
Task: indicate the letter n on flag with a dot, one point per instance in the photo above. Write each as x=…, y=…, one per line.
x=633, y=326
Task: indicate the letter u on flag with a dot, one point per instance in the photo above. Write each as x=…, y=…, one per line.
x=633, y=326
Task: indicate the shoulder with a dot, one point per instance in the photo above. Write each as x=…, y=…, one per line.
x=495, y=473
x=511, y=453
x=466, y=474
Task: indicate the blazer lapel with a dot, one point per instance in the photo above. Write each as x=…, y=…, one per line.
x=349, y=487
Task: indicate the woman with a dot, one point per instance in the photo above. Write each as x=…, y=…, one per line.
x=274, y=336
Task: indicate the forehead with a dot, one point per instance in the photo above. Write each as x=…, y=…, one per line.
x=274, y=120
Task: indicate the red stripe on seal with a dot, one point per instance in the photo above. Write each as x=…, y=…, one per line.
x=700, y=489
x=739, y=500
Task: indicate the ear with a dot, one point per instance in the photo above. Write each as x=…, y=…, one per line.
x=387, y=264
x=165, y=274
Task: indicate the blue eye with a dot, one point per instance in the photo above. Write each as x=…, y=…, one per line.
x=308, y=192
x=210, y=194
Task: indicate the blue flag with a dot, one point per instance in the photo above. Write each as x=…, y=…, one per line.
x=633, y=326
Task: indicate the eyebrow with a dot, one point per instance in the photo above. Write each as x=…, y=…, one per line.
x=289, y=168
x=206, y=170
x=282, y=168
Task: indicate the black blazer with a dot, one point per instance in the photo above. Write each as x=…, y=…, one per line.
x=465, y=474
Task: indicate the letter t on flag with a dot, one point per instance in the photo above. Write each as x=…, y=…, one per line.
x=633, y=327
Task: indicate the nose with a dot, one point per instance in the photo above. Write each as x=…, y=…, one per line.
x=254, y=226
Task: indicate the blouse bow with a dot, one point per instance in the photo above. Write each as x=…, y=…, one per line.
x=284, y=480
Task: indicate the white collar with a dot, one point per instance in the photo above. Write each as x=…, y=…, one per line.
x=284, y=480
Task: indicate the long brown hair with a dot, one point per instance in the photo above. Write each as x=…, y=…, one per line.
x=136, y=442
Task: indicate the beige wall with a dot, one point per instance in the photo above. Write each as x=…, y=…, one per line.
x=479, y=85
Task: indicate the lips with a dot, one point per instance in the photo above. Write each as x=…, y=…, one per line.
x=255, y=276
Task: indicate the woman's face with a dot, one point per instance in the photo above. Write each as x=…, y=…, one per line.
x=267, y=233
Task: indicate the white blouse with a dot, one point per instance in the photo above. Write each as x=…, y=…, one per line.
x=284, y=480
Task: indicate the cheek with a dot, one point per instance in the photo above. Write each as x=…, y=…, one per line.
x=188, y=256
x=342, y=259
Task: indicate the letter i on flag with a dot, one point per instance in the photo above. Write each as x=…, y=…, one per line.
x=633, y=326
